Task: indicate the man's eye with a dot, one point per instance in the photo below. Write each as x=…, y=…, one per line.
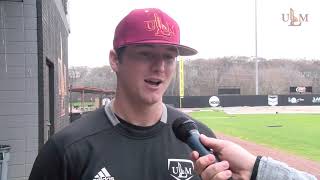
x=145, y=54
x=169, y=57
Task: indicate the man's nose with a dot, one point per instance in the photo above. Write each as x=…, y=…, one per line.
x=159, y=63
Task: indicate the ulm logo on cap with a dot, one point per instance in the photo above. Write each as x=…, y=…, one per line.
x=159, y=28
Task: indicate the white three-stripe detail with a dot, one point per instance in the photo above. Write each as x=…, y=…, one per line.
x=106, y=173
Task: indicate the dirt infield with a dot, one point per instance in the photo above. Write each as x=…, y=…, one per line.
x=295, y=161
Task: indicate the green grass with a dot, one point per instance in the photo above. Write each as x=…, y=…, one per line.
x=299, y=133
x=86, y=104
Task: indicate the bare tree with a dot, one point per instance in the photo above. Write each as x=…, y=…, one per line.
x=203, y=77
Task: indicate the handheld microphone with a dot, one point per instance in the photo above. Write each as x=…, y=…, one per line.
x=187, y=131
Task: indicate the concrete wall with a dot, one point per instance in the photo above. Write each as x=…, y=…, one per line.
x=19, y=84
x=31, y=32
x=54, y=48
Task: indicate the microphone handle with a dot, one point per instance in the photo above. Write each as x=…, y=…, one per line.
x=194, y=143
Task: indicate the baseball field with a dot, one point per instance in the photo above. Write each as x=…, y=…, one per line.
x=295, y=133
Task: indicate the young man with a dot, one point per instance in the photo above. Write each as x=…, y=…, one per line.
x=131, y=138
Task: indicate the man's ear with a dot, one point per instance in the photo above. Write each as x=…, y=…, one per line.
x=113, y=60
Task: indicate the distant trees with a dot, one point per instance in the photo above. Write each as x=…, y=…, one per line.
x=99, y=77
x=203, y=77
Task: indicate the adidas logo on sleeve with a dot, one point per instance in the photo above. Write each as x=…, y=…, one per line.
x=103, y=174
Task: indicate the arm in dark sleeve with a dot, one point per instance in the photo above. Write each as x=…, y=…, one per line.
x=48, y=164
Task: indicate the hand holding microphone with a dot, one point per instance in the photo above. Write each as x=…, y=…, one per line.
x=187, y=131
x=243, y=164
x=240, y=160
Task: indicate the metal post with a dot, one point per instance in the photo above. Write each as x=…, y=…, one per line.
x=256, y=48
x=70, y=99
x=82, y=100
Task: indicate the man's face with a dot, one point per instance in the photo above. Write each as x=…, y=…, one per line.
x=145, y=71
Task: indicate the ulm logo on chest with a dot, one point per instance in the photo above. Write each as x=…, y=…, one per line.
x=180, y=169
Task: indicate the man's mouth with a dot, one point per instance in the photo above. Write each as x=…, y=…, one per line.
x=153, y=82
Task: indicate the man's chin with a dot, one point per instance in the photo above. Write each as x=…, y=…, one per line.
x=153, y=100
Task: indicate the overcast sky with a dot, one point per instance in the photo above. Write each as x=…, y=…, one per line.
x=216, y=28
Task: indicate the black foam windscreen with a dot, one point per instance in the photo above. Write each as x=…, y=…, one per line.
x=181, y=127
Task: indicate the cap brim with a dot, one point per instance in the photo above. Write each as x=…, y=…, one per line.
x=186, y=51
x=183, y=50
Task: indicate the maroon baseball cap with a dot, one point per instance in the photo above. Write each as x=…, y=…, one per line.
x=149, y=26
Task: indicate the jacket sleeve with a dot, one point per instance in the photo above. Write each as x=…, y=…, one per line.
x=270, y=169
x=48, y=164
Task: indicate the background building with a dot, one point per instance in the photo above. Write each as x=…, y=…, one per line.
x=33, y=77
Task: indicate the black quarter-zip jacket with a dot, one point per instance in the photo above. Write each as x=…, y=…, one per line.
x=100, y=147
